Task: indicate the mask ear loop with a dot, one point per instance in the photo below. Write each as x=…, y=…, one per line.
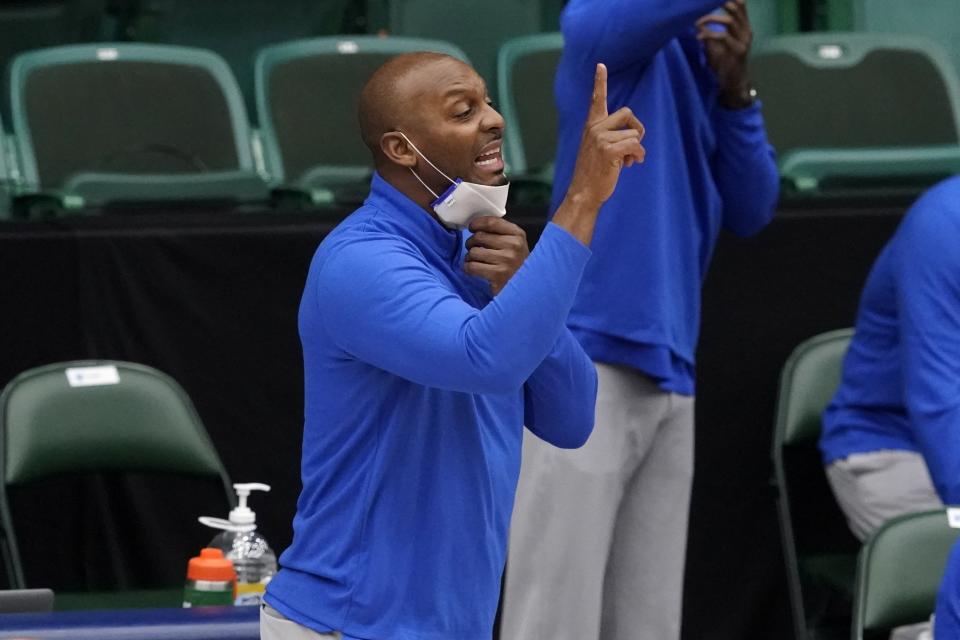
x=427, y=160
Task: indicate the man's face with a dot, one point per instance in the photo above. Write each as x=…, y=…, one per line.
x=454, y=125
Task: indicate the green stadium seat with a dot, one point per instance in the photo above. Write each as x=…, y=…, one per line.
x=856, y=113
x=526, y=68
x=479, y=28
x=98, y=417
x=935, y=19
x=236, y=29
x=106, y=123
x=899, y=573
x=307, y=93
x=819, y=550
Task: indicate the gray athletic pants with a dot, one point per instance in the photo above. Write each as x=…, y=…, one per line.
x=598, y=537
x=874, y=487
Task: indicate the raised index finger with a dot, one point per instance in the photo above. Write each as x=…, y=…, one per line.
x=598, y=104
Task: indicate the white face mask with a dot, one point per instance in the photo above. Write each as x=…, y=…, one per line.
x=463, y=201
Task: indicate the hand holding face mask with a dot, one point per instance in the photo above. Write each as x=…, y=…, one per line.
x=463, y=201
x=495, y=251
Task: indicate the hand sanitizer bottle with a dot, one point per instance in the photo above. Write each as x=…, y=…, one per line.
x=253, y=559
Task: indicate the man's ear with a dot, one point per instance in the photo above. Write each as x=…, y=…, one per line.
x=397, y=150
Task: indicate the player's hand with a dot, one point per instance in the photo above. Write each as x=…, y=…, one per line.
x=727, y=38
x=496, y=250
x=610, y=142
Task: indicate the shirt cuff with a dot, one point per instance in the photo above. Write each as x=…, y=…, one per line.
x=741, y=132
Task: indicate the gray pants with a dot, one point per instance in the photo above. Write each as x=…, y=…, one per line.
x=598, y=537
x=874, y=487
x=275, y=626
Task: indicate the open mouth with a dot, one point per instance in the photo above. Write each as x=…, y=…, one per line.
x=490, y=159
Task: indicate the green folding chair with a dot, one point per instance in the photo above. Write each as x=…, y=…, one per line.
x=819, y=550
x=103, y=123
x=938, y=20
x=91, y=417
x=899, y=573
x=307, y=93
x=859, y=113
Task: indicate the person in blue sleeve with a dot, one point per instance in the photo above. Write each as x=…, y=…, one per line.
x=426, y=350
x=598, y=539
x=891, y=435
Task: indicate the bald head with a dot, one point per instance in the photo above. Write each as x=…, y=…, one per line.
x=430, y=105
x=388, y=101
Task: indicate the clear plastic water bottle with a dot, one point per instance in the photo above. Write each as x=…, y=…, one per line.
x=253, y=559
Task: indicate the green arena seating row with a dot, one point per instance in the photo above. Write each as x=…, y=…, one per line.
x=855, y=111
x=849, y=113
x=93, y=125
x=239, y=29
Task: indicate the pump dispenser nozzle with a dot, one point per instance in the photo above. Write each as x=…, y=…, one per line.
x=241, y=518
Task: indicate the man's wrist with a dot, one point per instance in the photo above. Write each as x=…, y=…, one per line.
x=577, y=215
x=740, y=96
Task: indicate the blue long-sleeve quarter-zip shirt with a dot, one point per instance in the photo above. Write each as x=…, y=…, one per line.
x=901, y=377
x=706, y=168
x=418, y=385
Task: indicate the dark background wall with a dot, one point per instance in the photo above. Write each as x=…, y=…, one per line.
x=211, y=299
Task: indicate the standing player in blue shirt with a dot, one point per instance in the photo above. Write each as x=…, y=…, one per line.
x=426, y=350
x=598, y=538
x=891, y=436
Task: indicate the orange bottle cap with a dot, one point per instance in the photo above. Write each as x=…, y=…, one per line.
x=211, y=565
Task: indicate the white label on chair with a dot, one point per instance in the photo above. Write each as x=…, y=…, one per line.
x=953, y=517
x=107, y=54
x=348, y=46
x=93, y=376
x=830, y=51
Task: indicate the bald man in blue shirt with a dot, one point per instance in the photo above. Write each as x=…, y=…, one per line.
x=427, y=347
